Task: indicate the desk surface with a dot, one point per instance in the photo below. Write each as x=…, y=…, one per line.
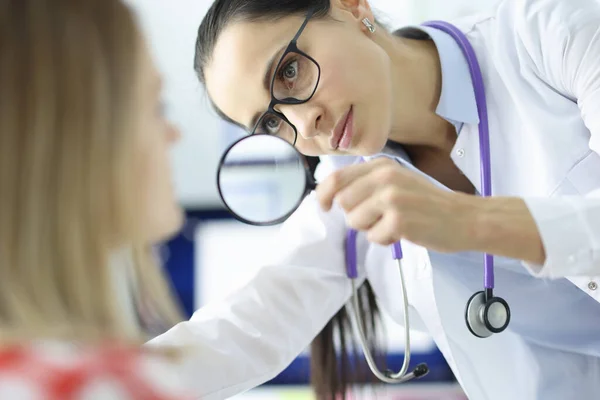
x=384, y=392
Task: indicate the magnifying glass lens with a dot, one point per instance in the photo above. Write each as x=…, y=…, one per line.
x=262, y=179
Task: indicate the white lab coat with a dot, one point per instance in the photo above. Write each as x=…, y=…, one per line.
x=540, y=61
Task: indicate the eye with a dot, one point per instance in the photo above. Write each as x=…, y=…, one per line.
x=290, y=70
x=271, y=125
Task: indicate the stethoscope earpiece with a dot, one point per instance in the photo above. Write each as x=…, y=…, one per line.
x=421, y=370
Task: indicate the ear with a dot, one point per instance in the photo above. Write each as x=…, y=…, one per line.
x=359, y=9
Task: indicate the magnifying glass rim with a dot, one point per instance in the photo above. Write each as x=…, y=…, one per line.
x=255, y=223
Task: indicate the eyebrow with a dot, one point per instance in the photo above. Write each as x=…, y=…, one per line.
x=267, y=79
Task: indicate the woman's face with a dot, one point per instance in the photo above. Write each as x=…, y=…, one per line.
x=161, y=214
x=354, y=90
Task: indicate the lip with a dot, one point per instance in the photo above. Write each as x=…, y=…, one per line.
x=335, y=139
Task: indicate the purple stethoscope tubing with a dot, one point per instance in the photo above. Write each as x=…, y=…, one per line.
x=486, y=191
x=484, y=149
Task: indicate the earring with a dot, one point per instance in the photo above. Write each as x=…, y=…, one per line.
x=369, y=25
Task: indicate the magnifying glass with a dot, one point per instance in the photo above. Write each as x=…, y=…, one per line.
x=262, y=179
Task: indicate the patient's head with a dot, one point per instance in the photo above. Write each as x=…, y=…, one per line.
x=84, y=166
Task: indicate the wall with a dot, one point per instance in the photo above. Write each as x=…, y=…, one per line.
x=171, y=28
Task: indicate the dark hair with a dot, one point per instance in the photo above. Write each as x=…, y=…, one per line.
x=224, y=12
x=330, y=376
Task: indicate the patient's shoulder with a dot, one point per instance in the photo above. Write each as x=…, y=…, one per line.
x=53, y=370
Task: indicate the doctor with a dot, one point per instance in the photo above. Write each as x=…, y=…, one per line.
x=408, y=95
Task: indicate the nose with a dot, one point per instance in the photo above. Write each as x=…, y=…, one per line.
x=173, y=133
x=305, y=117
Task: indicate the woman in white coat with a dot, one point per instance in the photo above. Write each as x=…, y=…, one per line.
x=409, y=96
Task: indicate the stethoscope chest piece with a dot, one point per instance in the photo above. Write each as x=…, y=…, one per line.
x=486, y=314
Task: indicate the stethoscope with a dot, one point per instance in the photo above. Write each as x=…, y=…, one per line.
x=274, y=169
x=485, y=314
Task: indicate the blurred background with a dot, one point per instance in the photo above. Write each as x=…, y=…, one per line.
x=200, y=260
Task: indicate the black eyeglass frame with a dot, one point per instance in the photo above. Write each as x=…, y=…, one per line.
x=291, y=48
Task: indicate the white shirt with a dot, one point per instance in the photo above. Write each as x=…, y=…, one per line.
x=539, y=59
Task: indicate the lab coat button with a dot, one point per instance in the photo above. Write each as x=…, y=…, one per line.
x=460, y=152
x=592, y=285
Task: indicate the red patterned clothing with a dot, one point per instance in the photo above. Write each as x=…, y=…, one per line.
x=59, y=371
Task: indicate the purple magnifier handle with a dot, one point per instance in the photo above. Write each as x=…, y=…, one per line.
x=397, y=251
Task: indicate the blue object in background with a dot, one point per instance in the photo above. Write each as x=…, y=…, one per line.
x=180, y=266
x=180, y=262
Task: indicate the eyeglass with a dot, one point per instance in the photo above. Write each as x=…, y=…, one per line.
x=294, y=81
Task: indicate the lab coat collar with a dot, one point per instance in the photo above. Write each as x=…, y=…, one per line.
x=457, y=100
x=457, y=104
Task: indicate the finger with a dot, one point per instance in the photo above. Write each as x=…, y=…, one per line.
x=357, y=192
x=365, y=215
x=389, y=229
x=327, y=190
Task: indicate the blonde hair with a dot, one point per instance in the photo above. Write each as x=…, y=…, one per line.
x=68, y=87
